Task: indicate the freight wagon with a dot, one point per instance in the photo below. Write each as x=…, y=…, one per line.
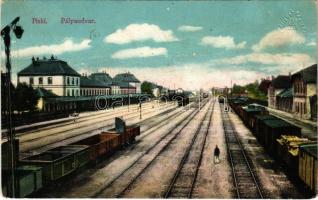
x=287, y=151
x=249, y=114
x=273, y=129
x=37, y=171
x=260, y=126
x=59, y=162
x=283, y=141
x=308, y=166
x=100, y=144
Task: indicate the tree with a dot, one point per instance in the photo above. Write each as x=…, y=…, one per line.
x=237, y=89
x=4, y=87
x=146, y=88
x=25, y=98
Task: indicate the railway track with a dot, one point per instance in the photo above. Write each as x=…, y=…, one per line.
x=184, y=180
x=61, y=139
x=80, y=124
x=83, y=122
x=70, y=121
x=245, y=183
x=119, y=185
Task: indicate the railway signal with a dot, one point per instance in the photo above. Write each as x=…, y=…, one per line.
x=5, y=34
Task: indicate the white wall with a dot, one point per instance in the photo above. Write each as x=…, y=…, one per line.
x=57, y=86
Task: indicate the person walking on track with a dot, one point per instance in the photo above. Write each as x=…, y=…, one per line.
x=216, y=154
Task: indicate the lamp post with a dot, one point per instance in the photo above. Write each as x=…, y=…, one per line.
x=5, y=34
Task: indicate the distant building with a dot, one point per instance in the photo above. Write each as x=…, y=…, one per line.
x=53, y=75
x=179, y=91
x=304, y=84
x=284, y=100
x=126, y=80
x=92, y=87
x=263, y=86
x=107, y=79
x=276, y=86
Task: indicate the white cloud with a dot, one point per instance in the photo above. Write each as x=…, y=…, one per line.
x=189, y=76
x=139, y=52
x=186, y=28
x=279, y=37
x=67, y=46
x=269, y=59
x=140, y=32
x=226, y=42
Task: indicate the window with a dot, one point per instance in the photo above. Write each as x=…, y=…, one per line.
x=67, y=80
x=31, y=81
x=40, y=80
x=68, y=92
x=72, y=81
x=76, y=83
x=72, y=92
x=77, y=93
x=49, y=80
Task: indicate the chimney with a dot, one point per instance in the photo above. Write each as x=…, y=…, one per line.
x=33, y=60
x=37, y=59
x=44, y=58
x=52, y=57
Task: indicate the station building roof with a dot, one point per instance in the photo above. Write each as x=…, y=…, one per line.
x=126, y=77
x=309, y=74
x=92, y=83
x=102, y=76
x=48, y=67
x=286, y=93
x=281, y=82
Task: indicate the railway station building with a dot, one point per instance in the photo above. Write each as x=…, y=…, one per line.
x=127, y=80
x=61, y=89
x=53, y=75
x=277, y=85
x=304, y=86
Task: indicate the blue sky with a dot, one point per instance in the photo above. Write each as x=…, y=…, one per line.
x=189, y=44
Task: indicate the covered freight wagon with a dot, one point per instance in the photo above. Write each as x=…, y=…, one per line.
x=308, y=166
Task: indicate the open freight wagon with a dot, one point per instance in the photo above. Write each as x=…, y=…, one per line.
x=308, y=166
x=59, y=162
x=108, y=141
x=249, y=114
x=272, y=129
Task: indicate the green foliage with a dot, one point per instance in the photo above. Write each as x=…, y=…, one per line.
x=146, y=88
x=237, y=89
x=25, y=98
x=4, y=87
x=252, y=90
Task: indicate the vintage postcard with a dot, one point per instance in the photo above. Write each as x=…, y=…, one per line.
x=159, y=99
